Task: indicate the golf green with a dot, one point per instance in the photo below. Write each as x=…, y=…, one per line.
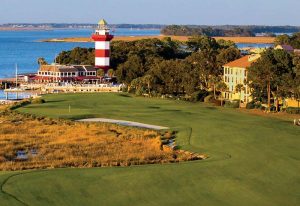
x=254, y=160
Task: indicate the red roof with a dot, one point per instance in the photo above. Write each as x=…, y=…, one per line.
x=241, y=62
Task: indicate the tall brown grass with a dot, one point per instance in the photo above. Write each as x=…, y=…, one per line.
x=61, y=143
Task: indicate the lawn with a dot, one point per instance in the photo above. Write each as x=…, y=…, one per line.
x=254, y=160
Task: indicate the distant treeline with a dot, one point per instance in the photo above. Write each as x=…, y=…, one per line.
x=226, y=30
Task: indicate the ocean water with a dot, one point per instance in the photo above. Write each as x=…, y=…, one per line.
x=254, y=45
x=23, y=47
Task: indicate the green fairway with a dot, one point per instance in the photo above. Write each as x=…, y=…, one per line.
x=253, y=160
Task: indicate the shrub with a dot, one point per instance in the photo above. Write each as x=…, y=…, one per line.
x=272, y=108
x=124, y=89
x=250, y=105
x=217, y=102
x=199, y=96
x=293, y=110
x=139, y=92
x=232, y=104
x=20, y=104
x=209, y=98
x=38, y=101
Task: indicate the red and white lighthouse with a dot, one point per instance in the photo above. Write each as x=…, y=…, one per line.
x=102, y=39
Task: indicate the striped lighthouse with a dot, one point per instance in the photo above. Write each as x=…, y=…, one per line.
x=102, y=39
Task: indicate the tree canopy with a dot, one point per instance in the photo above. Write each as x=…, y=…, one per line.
x=293, y=40
x=274, y=75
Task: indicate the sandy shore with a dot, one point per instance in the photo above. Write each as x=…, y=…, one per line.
x=249, y=40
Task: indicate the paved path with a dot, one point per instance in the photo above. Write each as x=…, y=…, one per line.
x=124, y=123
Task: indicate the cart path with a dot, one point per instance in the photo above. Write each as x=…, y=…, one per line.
x=124, y=123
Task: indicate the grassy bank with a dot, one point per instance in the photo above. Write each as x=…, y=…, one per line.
x=254, y=160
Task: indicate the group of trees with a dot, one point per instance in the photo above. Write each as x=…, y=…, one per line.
x=226, y=30
x=171, y=67
x=177, y=30
x=79, y=56
x=164, y=67
x=293, y=40
x=276, y=75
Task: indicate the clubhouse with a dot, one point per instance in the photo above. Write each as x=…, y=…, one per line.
x=66, y=73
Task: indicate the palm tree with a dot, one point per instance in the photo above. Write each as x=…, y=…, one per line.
x=111, y=73
x=214, y=80
x=137, y=83
x=148, y=79
x=41, y=61
x=100, y=73
x=239, y=88
x=222, y=87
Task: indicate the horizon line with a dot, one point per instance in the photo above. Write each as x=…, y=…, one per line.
x=153, y=24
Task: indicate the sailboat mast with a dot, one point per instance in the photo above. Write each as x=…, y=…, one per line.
x=16, y=75
x=17, y=95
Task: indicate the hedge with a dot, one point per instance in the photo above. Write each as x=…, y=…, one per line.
x=232, y=104
x=293, y=110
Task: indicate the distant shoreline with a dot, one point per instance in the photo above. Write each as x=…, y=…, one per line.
x=24, y=29
x=245, y=40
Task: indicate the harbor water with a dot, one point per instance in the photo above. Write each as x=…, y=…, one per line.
x=24, y=47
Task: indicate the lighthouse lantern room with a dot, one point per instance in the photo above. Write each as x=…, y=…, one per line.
x=102, y=38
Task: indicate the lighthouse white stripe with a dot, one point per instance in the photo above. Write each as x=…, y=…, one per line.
x=102, y=45
x=102, y=61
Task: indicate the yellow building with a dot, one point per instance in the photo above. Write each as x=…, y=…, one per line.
x=291, y=102
x=235, y=73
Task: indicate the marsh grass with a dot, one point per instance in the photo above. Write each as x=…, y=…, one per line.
x=64, y=143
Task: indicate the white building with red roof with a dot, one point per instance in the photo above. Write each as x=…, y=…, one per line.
x=235, y=73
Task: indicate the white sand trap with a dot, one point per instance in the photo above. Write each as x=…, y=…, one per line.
x=124, y=123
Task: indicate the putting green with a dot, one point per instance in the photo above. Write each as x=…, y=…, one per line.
x=253, y=160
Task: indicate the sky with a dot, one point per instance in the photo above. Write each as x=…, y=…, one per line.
x=199, y=12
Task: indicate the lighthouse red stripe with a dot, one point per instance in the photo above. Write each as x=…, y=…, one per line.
x=96, y=37
x=102, y=53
